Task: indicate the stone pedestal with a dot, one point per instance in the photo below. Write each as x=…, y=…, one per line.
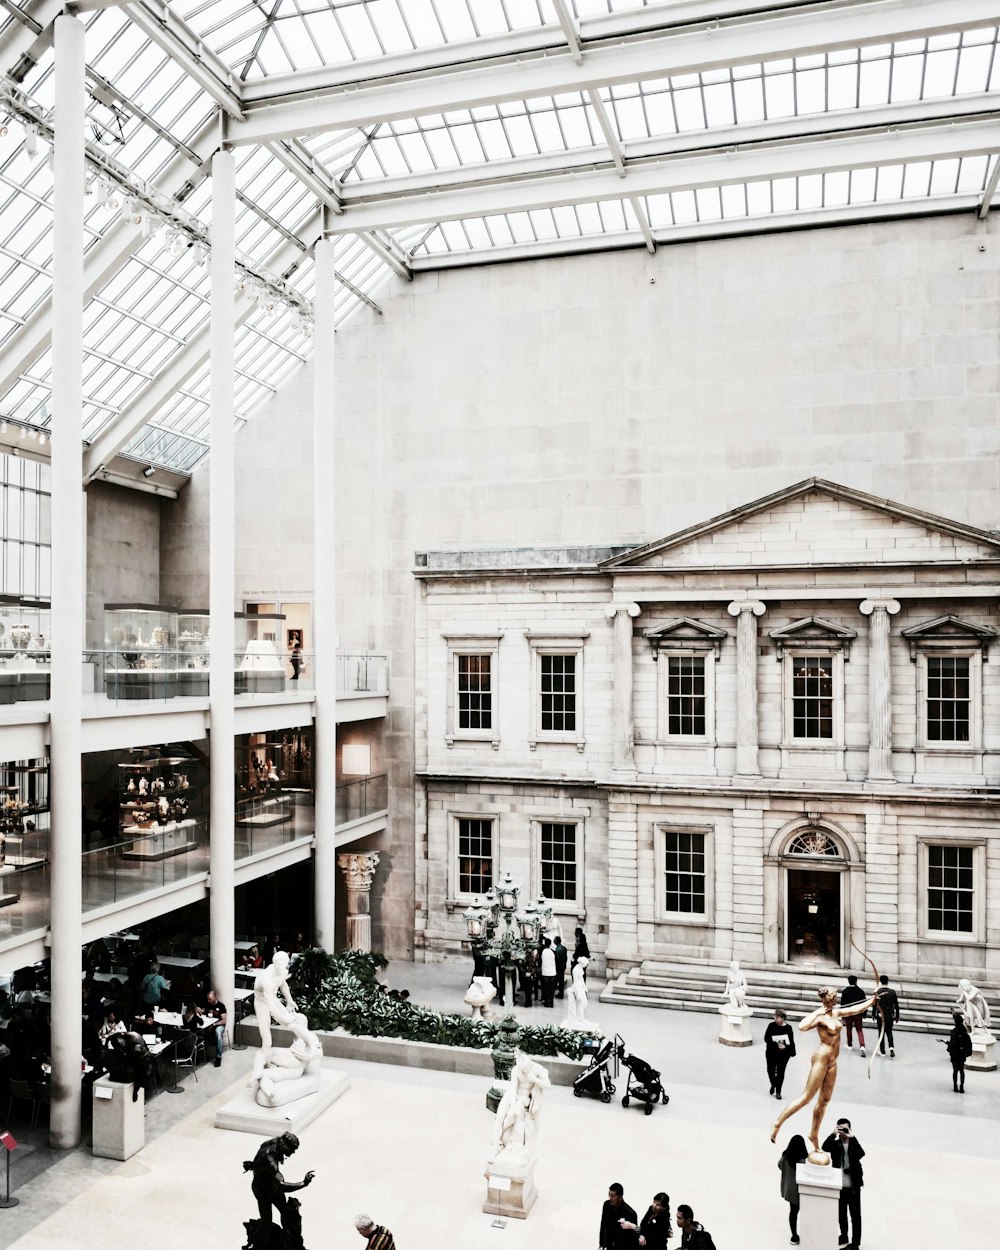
x=983, y=1058
x=359, y=872
x=735, y=1030
x=119, y=1124
x=510, y=1188
x=819, y=1194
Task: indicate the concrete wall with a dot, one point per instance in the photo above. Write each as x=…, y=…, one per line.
x=123, y=552
x=183, y=545
x=618, y=397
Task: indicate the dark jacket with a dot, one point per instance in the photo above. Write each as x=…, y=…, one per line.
x=772, y=1033
x=855, y=1153
x=959, y=1044
x=581, y=949
x=655, y=1227
x=562, y=955
x=697, y=1237
x=613, y=1236
x=890, y=1004
x=852, y=994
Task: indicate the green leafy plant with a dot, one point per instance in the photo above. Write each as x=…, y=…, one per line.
x=343, y=991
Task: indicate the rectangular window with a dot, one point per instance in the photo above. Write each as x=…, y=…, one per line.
x=949, y=698
x=684, y=865
x=686, y=699
x=812, y=696
x=475, y=692
x=950, y=889
x=475, y=855
x=557, y=678
x=558, y=861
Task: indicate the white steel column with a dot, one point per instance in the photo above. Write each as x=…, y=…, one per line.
x=879, y=612
x=746, y=612
x=325, y=602
x=68, y=581
x=222, y=555
x=623, y=614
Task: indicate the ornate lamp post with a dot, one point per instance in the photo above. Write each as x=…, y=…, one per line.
x=506, y=933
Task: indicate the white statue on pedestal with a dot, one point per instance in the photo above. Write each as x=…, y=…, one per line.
x=973, y=1006
x=736, y=987
x=479, y=995
x=292, y=1072
x=268, y=990
x=518, y=1112
x=576, y=998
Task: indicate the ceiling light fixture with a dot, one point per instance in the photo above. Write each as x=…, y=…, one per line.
x=148, y=471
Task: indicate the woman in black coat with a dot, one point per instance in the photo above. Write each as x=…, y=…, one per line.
x=580, y=949
x=655, y=1228
x=959, y=1049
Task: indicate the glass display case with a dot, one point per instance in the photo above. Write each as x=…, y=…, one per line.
x=140, y=641
x=259, y=660
x=192, y=651
x=24, y=814
x=160, y=804
x=25, y=656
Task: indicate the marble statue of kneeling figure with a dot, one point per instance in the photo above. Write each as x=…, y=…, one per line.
x=292, y=1072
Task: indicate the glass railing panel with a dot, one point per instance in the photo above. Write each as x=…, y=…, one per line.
x=360, y=798
x=134, y=865
x=264, y=670
x=267, y=821
x=362, y=674
x=25, y=890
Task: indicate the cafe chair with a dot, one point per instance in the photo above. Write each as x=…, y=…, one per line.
x=21, y=1091
x=190, y=1060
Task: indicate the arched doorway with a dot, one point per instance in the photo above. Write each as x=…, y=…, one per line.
x=815, y=879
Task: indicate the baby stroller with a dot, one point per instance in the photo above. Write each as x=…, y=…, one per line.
x=596, y=1079
x=643, y=1084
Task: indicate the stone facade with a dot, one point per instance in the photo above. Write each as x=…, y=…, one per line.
x=832, y=778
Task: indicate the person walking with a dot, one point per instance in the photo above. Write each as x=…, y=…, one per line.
x=548, y=973
x=618, y=1221
x=694, y=1236
x=959, y=1045
x=654, y=1228
x=377, y=1235
x=796, y=1152
x=888, y=1001
x=580, y=950
x=779, y=1047
x=296, y=657
x=846, y=1153
x=154, y=987
x=853, y=993
x=562, y=957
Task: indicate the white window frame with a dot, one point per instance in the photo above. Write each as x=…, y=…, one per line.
x=663, y=658
x=454, y=816
x=486, y=643
x=948, y=936
x=789, y=656
x=555, y=644
x=974, y=655
x=560, y=907
x=661, y=829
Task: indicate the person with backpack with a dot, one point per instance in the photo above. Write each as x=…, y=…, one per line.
x=694, y=1236
x=796, y=1152
x=959, y=1045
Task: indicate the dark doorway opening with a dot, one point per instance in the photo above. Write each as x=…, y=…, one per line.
x=814, y=917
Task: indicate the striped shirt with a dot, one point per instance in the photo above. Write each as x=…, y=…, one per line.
x=380, y=1239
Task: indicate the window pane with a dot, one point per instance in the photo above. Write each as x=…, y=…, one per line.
x=684, y=868
x=950, y=888
x=948, y=698
x=557, y=675
x=475, y=856
x=685, y=696
x=558, y=848
x=475, y=692
x=812, y=696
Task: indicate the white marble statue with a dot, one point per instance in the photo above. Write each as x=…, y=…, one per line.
x=479, y=995
x=576, y=997
x=271, y=985
x=973, y=1006
x=736, y=987
x=518, y=1112
x=291, y=1072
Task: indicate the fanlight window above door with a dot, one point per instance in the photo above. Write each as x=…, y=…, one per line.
x=814, y=842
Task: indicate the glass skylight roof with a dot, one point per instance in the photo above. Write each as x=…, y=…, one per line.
x=153, y=118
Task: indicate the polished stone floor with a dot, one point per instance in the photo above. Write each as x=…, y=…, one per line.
x=409, y=1146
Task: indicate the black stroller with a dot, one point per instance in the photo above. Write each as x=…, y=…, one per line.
x=597, y=1079
x=643, y=1084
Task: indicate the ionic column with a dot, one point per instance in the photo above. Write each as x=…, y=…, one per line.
x=68, y=578
x=623, y=614
x=746, y=612
x=878, y=612
x=359, y=872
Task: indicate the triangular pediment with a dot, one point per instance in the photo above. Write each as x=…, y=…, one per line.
x=813, y=630
x=685, y=631
x=943, y=632
x=815, y=522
